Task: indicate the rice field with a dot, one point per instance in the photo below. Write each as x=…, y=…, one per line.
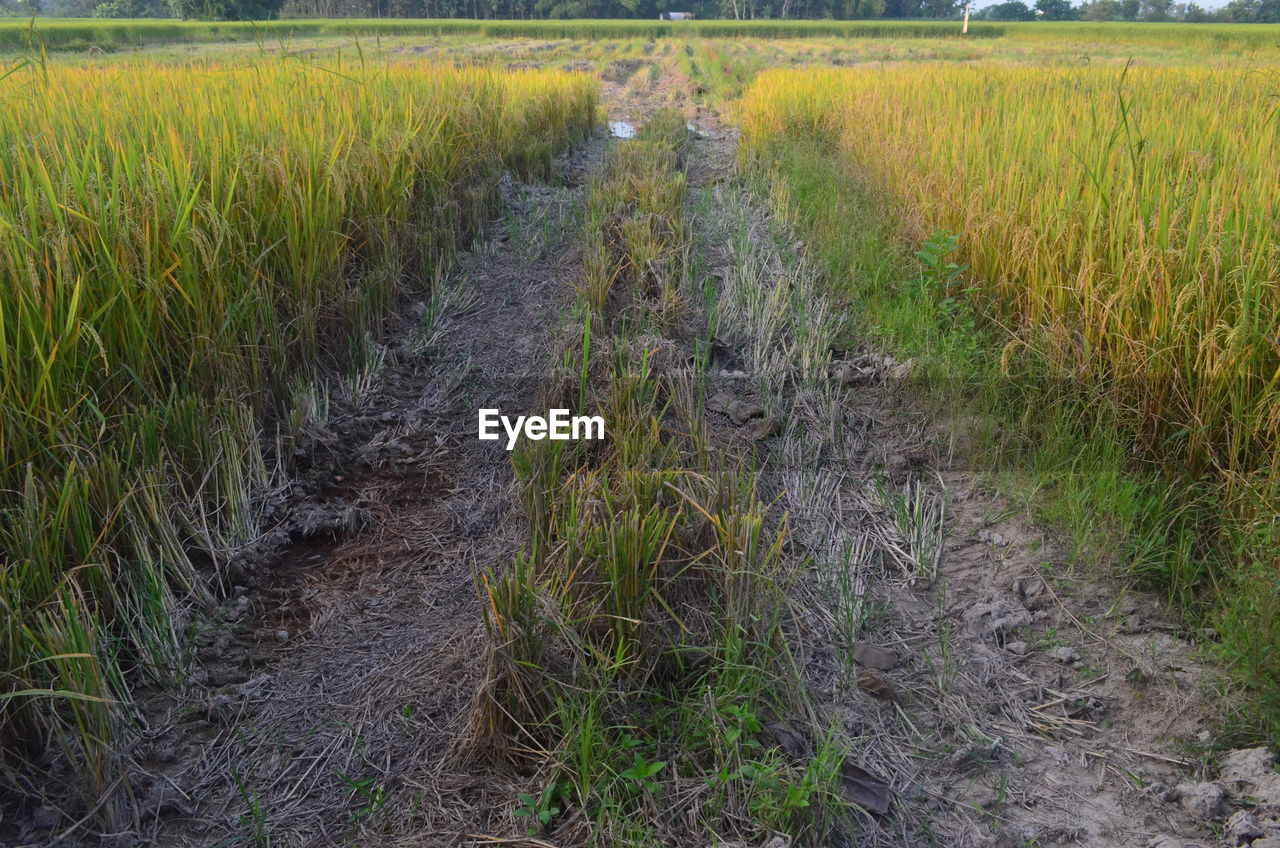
x=207, y=230
x=1115, y=229
x=184, y=251
x=1136, y=252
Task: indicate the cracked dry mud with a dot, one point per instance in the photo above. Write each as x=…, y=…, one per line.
x=1005, y=698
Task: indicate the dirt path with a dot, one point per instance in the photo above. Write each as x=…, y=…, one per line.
x=1010, y=699
x=1006, y=700
x=337, y=688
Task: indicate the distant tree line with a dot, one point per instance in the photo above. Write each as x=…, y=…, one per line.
x=1236, y=11
x=525, y=9
x=211, y=10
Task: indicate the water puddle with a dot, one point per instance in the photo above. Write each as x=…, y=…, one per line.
x=622, y=129
x=625, y=129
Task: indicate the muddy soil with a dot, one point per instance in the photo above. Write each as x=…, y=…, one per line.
x=1007, y=698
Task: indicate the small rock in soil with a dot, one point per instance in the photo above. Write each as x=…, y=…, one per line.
x=45, y=818
x=765, y=428
x=996, y=618
x=1251, y=772
x=1031, y=591
x=226, y=676
x=221, y=709
x=852, y=372
x=1243, y=827
x=975, y=754
x=1064, y=654
x=1204, y=800
x=1018, y=648
x=1134, y=624
x=875, y=656
x=992, y=538
x=738, y=411
x=900, y=370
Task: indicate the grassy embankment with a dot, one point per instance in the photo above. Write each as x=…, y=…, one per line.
x=637, y=650
x=183, y=254
x=1115, y=332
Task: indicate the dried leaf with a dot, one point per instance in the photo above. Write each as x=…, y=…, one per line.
x=789, y=740
x=865, y=789
x=876, y=685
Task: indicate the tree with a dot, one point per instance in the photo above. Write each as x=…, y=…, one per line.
x=131, y=9
x=1251, y=12
x=227, y=10
x=1154, y=10
x=902, y=8
x=1100, y=10
x=854, y=10
x=940, y=8
x=1056, y=10
x=1010, y=10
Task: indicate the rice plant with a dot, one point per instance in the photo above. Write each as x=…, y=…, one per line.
x=181, y=248
x=1115, y=277
x=1138, y=253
